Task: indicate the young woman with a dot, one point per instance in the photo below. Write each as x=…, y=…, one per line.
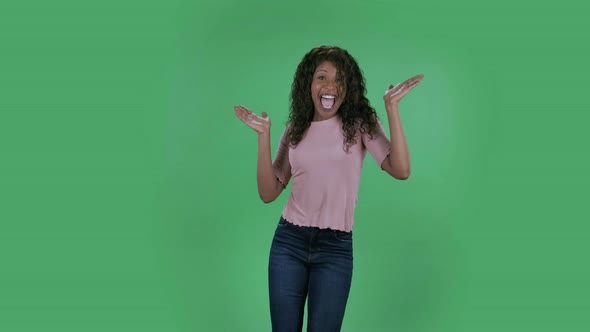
x=331, y=126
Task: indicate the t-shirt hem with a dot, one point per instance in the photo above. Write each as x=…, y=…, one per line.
x=295, y=222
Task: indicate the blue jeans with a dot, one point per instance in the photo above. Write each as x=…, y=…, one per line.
x=312, y=263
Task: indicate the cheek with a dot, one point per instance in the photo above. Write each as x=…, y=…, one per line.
x=314, y=89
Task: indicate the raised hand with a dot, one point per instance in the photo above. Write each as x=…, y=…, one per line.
x=395, y=93
x=260, y=124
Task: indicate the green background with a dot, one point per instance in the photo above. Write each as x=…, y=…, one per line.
x=128, y=196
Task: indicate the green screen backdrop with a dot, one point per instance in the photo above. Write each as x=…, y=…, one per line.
x=128, y=197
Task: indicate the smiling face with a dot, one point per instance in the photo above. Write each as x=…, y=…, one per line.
x=327, y=91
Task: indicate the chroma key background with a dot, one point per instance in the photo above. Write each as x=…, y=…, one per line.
x=128, y=194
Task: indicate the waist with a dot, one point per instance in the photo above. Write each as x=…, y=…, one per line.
x=284, y=221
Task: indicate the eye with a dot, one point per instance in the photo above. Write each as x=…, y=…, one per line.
x=321, y=77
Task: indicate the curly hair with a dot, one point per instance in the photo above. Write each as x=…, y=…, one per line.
x=358, y=116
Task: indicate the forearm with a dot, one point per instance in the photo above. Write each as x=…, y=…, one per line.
x=399, y=157
x=268, y=186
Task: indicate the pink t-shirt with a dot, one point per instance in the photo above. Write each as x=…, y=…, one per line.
x=325, y=177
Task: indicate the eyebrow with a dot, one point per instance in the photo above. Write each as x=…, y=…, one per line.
x=321, y=70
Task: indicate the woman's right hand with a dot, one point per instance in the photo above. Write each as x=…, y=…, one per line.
x=260, y=124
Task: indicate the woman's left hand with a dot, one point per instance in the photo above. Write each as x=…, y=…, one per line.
x=395, y=93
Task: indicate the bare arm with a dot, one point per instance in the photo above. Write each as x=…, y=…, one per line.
x=269, y=187
x=397, y=164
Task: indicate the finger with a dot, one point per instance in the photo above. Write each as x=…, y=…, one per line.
x=407, y=87
x=402, y=90
x=414, y=83
x=243, y=109
x=250, y=118
x=398, y=95
x=252, y=121
x=243, y=115
x=414, y=79
x=260, y=120
x=409, y=81
x=397, y=89
x=392, y=90
x=388, y=89
x=404, y=87
x=240, y=111
x=417, y=78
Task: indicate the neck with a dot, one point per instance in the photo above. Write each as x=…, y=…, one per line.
x=318, y=117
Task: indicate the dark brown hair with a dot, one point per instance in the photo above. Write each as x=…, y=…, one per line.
x=358, y=116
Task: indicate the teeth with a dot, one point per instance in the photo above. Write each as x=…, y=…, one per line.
x=328, y=96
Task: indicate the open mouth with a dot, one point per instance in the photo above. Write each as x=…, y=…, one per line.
x=328, y=101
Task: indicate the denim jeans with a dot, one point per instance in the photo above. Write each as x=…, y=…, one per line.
x=313, y=264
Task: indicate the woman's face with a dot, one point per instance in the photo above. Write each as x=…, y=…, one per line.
x=327, y=92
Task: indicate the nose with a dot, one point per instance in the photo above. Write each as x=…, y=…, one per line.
x=331, y=86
